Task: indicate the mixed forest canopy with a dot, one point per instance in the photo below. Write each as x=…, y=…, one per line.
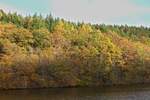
x=38, y=51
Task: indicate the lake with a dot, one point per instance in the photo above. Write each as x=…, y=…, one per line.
x=135, y=92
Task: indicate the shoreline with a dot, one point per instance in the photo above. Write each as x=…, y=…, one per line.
x=69, y=87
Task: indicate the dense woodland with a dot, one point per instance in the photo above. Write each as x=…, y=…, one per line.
x=40, y=52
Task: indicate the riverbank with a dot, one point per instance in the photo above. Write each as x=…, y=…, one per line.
x=90, y=86
x=134, y=92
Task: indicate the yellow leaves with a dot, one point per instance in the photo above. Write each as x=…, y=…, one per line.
x=9, y=52
x=47, y=53
x=9, y=26
x=64, y=28
x=43, y=30
x=59, y=27
x=6, y=27
x=6, y=46
x=19, y=36
x=24, y=33
x=6, y=60
x=85, y=28
x=93, y=51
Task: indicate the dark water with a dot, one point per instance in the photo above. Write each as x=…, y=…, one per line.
x=138, y=92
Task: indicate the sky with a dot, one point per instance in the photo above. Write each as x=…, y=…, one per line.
x=131, y=12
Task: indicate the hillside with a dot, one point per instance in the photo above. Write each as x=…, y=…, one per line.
x=38, y=52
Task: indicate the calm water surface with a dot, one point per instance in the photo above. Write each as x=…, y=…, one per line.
x=139, y=92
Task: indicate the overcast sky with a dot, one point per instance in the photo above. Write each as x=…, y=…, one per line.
x=131, y=12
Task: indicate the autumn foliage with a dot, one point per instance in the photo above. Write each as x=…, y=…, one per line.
x=37, y=52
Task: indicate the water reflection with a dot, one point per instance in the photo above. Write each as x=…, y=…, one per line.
x=138, y=92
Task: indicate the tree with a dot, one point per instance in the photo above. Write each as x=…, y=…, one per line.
x=38, y=22
x=50, y=22
x=41, y=38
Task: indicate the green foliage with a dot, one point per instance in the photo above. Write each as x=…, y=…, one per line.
x=41, y=38
x=49, y=21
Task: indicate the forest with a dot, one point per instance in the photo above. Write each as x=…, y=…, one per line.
x=43, y=52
